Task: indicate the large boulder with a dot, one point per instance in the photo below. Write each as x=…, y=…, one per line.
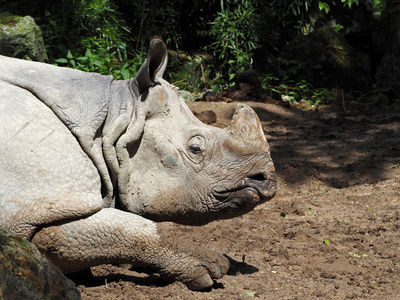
x=26, y=274
x=325, y=59
x=20, y=37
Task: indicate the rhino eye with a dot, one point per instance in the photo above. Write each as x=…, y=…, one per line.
x=195, y=149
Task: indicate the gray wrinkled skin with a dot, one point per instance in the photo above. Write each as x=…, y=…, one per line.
x=89, y=164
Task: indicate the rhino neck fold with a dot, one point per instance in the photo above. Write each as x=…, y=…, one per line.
x=123, y=127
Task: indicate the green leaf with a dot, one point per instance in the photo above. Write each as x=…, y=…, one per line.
x=98, y=63
x=125, y=74
x=61, y=60
x=88, y=53
x=350, y=3
x=326, y=241
x=324, y=6
x=69, y=54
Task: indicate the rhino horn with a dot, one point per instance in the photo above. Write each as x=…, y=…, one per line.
x=154, y=66
x=246, y=124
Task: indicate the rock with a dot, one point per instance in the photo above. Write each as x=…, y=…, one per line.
x=247, y=88
x=206, y=116
x=325, y=59
x=298, y=207
x=240, y=96
x=26, y=274
x=250, y=77
x=209, y=96
x=20, y=37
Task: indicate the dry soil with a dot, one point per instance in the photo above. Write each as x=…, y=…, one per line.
x=331, y=232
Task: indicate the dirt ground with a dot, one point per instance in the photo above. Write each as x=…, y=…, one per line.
x=331, y=232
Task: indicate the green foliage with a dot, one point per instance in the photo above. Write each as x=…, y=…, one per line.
x=101, y=20
x=79, y=25
x=296, y=91
x=235, y=33
x=192, y=72
x=111, y=37
x=326, y=7
x=91, y=30
x=102, y=62
x=99, y=40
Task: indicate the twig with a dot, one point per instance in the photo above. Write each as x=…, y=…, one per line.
x=344, y=107
x=272, y=230
x=202, y=72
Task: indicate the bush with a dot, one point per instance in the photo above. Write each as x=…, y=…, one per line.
x=235, y=33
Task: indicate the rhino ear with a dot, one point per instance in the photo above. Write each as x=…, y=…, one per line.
x=153, y=67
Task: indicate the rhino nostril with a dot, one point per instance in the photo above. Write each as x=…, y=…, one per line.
x=258, y=176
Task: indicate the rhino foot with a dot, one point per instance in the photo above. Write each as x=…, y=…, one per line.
x=214, y=270
x=194, y=265
x=199, y=283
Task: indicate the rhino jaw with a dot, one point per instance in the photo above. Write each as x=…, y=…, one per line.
x=251, y=192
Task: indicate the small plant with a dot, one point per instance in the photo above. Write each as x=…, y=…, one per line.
x=251, y=294
x=327, y=242
x=230, y=284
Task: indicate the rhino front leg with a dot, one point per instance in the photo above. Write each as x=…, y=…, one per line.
x=113, y=236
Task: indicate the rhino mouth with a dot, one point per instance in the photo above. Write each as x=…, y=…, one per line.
x=249, y=193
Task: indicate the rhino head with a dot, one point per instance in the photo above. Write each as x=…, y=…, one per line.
x=182, y=170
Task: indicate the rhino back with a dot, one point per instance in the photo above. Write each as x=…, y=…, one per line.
x=45, y=176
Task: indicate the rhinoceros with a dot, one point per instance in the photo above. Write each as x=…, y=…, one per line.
x=91, y=168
